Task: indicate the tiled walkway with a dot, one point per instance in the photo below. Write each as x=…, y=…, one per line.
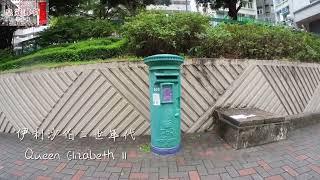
x=204, y=156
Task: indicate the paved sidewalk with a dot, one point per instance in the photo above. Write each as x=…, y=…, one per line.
x=204, y=156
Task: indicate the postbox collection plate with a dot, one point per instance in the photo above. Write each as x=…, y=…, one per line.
x=166, y=93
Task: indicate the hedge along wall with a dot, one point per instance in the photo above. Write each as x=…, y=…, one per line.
x=85, y=99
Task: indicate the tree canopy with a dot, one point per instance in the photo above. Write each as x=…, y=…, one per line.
x=232, y=5
x=100, y=8
x=62, y=7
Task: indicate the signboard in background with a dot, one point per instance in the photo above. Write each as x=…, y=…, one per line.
x=28, y=13
x=43, y=12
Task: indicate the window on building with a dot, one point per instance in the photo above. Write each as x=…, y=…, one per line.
x=180, y=2
x=260, y=11
x=250, y=4
x=285, y=10
x=267, y=6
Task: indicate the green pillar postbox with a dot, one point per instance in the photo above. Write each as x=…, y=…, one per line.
x=165, y=93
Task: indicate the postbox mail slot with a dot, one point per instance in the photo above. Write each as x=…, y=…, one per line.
x=167, y=77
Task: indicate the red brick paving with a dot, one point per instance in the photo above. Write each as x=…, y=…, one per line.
x=44, y=161
x=264, y=165
x=61, y=167
x=277, y=177
x=227, y=158
x=180, y=161
x=290, y=148
x=194, y=175
x=124, y=165
x=44, y=178
x=316, y=168
x=209, y=158
x=206, y=153
x=227, y=146
x=248, y=171
x=17, y=173
x=132, y=154
x=140, y=176
x=302, y=157
x=291, y=171
x=19, y=162
x=78, y=175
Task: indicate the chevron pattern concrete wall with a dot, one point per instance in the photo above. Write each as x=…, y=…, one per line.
x=98, y=98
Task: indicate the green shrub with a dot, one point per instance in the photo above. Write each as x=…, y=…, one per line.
x=103, y=52
x=81, y=51
x=5, y=55
x=153, y=32
x=311, y=50
x=73, y=29
x=259, y=42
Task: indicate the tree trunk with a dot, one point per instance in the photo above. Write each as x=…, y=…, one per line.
x=233, y=9
x=6, y=35
x=233, y=13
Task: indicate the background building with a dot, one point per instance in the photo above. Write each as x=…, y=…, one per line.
x=6, y=6
x=281, y=10
x=24, y=14
x=265, y=10
x=29, y=16
x=249, y=8
x=176, y=5
x=306, y=14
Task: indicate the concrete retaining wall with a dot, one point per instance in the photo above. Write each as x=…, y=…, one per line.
x=91, y=98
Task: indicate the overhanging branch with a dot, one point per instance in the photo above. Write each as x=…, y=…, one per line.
x=239, y=7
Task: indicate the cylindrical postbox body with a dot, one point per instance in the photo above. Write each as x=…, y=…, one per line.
x=165, y=94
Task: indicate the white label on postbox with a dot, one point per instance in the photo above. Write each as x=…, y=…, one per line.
x=156, y=99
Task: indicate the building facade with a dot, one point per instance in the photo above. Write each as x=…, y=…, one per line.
x=282, y=10
x=249, y=8
x=176, y=5
x=29, y=16
x=6, y=6
x=23, y=15
x=306, y=14
x=265, y=10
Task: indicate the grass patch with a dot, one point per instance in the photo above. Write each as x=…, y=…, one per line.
x=146, y=148
x=66, y=54
x=51, y=65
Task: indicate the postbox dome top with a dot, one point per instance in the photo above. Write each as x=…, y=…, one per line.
x=163, y=59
